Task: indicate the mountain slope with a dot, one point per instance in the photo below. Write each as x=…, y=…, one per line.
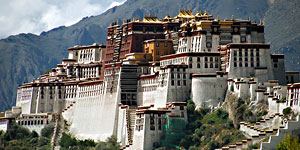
x=26, y=56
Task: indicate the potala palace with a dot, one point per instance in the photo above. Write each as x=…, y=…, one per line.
x=136, y=86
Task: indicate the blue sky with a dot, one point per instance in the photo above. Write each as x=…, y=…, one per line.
x=35, y=16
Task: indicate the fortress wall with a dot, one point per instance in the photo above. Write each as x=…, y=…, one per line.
x=178, y=93
x=236, y=38
x=253, y=87
x=146, y=98
x=215, y=42
x=161, y=96
x=139, y=138
x=273, y=106
x=25, y=105
x=262, y=75
x=122, y=127
x=4, y=125
x=243, y=91
x=260, y=96
x=208, y=90
x=95, y=117
x=292, y=128
x=235, y=72
x=151, y=136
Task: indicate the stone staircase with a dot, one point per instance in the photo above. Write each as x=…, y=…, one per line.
x=291, y=127
x=130, y=121
x=56, y=133
x=257, y=132
x=59, y=127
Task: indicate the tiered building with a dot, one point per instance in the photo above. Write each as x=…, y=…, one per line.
x=135, y=86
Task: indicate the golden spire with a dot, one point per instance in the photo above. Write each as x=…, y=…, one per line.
x=205, y=12
x=218, y=18
x=124, y=21
x=232, y=17
x=249, y=18
x=149, y=14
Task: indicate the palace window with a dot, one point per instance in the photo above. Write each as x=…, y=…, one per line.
x=159, y=124
x=178, y=83
x=178, y=75
x=198, y=59
x=211, y=65
x=190, y=65
x=275, y=65
x=216, y=65
x=172, y=82
x=181, y=107
x=198, y=65
x=184, y=76
x=206, y=66
x=240, y=64
x=184, y=82
x=157, y=44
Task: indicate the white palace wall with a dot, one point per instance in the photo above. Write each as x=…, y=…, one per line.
x=208, y=90
x=90, y=119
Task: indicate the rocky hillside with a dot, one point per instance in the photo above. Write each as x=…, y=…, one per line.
x=26, y=56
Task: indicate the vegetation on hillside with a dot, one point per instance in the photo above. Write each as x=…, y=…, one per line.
x=289, y=143
x=68, y=142
x=19, y=138
x=207, y=130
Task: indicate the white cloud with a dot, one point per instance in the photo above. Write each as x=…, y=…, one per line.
x=35, y=16
x=115, y=3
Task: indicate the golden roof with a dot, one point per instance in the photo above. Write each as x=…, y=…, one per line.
x=198, y=14
x=185, y=13
x=167, y=17
x=150, y=18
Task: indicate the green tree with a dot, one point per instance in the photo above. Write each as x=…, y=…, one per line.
x=289, y=143
x=47, y=131
x=110, y=144
x=287, y=112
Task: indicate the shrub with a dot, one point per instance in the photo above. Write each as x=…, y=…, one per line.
x=287, y=112
x=47, y=131
x=34, y=134
x=289, y=143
